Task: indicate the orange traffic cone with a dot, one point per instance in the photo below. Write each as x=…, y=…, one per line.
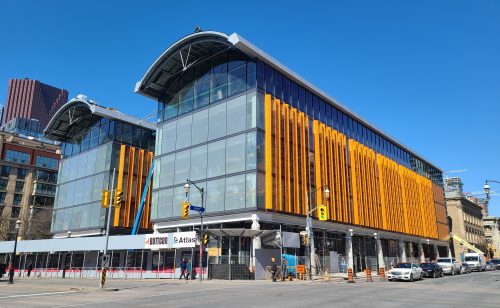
x=382, y=273
x=369, y=275
x=350, y=278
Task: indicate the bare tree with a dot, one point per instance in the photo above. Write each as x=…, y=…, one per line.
x=38, y=227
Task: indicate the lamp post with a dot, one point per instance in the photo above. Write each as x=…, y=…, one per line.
x=187, y=188
x=310, y=234
x=13, y=255
x=486, y=188
x=376, y=247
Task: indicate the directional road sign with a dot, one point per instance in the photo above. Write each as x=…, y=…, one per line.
x=197, y=208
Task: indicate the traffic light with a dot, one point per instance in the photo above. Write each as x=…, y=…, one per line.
x=118, y=197
x=105, y=198
x=304, y=241
x=206, y=239
x=185, y=210
x=322, y=212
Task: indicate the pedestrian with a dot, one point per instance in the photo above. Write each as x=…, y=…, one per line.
x=30, y=268
x=284, y=265
x=188, y=269
x=274, y=269
x=183, y=269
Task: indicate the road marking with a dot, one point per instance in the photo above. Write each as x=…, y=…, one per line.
x=37, y=294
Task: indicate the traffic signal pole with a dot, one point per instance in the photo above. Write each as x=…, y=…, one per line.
x=105, y=265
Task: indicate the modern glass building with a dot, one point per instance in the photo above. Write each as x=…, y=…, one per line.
x=94, y=141
x=259, y=138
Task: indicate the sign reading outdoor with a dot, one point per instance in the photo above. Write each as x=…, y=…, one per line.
x=156, y=241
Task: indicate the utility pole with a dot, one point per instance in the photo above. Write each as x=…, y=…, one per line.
x=105, y=255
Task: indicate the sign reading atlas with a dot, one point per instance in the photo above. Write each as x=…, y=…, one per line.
x=157, y=241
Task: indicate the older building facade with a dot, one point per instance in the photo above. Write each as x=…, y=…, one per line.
x=265, y=144
x=28, y=179
x=95, y=141
x=492, y=235
x=466, y=221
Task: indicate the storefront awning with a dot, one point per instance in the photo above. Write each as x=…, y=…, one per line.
x=238, y=232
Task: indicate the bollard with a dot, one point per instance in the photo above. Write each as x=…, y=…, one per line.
x=382, y=273
x=350, y=278
x=369, y=275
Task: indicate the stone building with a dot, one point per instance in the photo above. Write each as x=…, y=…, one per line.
x=492, y=234
x=466, y=221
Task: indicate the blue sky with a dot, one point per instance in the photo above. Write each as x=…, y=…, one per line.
x=425, y=72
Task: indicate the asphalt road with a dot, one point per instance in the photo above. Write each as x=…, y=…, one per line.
x=472, y=290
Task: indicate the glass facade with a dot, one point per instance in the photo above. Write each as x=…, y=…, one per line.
x=86, y=169
x=17, y=157
x=211, y=130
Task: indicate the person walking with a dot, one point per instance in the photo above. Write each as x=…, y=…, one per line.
x=284, y=265
x=183, y=269
x=188, y=270
x=274, y=269
x=30, y=268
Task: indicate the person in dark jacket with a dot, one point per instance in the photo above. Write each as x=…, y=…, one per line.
x=183, y=269
x=284, y=265
x=30, y=268
x=274, y=269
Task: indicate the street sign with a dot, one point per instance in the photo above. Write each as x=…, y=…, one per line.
x=105, y=260
x=197, y=208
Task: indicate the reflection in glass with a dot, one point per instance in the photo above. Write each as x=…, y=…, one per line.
x=235, y=192
x=217, y=121
x=217, y=158
x=215, y=195
x=236, y=115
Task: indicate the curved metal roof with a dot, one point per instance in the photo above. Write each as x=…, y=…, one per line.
x=178, y=57
x=68, y=118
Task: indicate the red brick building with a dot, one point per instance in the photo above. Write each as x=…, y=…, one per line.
x=32, y=99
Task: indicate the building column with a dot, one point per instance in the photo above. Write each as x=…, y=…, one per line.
x=348, y=249
x=449, y=251
x=402, y=251
x=380, y=253
x=436, y=252
x=411, y=252
x=256, y=242
x=421, y=254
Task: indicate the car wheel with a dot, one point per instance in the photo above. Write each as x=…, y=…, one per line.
x=442, y=274
x=434, y=275
x=411, y=277
x=452, y=272
x=421, y=276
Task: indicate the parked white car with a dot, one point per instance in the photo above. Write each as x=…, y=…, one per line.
x=450, y=266
x=476, y=261
x=405, y=271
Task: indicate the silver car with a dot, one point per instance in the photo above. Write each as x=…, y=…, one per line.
x=450, y=266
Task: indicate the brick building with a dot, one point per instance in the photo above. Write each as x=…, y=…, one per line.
x=32, y=99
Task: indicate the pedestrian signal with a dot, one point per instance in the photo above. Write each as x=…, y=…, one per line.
x=118, y=198
x=185, y=210
x=322, y=212
x=206, y=239
x=105, y=198
x=304, y=241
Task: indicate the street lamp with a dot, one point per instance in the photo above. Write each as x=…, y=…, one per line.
x=13, y=255
x=310, y=235
x=187, y=188
x=486, y=188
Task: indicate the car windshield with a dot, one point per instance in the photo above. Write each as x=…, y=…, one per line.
x=426, y=265
x=471, y=259
x=403, y=265
x=444, y=260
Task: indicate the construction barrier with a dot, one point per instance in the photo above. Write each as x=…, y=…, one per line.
x=382, y=273
x=350, y=278
x=369, y=275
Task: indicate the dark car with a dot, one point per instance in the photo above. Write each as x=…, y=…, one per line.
x=496, y=263
x=431, y=270
x=466, y=269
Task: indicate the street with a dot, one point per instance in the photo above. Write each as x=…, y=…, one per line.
x=472, y=290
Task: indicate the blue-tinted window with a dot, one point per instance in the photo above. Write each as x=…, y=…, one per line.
x=322, y=111
x=261, y=80
x=294, y=94
x=172, y=107
x=251, y=75
x=201, y=94
x=309, y=104
x=269, y=77
x=286, y=91
x=302, y=99
x=161, y=110
x=278, y=80
x=46, y=162
x=329, y=115
x=237, y=80
x=218, y=88
x=17, y=156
